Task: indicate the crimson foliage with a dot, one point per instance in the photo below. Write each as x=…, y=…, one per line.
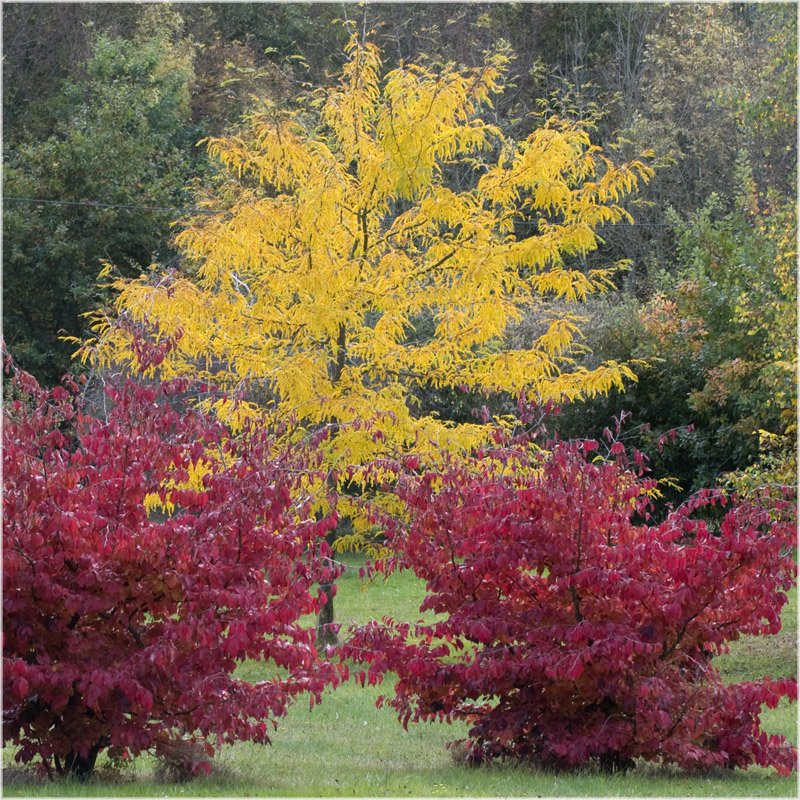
x=571, y=631
x=122, y=629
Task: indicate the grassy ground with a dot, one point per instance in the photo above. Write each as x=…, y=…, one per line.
x=348, y=747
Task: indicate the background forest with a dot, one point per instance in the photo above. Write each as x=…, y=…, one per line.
x=104, y=104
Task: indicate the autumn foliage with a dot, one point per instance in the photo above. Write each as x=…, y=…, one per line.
x=344, y=267
x=570, y=630
x=123, y=626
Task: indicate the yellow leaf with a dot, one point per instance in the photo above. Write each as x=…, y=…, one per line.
x=348, y=275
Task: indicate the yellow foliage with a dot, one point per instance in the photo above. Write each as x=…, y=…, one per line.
x=163, y=502
x=345, y=233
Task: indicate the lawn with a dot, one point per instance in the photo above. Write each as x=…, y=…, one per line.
x=348, y=747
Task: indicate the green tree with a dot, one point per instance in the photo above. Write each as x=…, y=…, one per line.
x=734, y=305
x=719, y=339
x=44, y=46
x=712, y=85
x=120, y=139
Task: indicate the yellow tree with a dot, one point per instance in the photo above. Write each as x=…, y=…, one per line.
x=371, y=205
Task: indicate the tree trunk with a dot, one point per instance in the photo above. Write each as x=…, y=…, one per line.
x=325, y=633
x=77, y=766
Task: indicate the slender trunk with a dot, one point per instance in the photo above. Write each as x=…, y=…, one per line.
x=325, y=633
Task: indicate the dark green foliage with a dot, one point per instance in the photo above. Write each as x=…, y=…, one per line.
x=44, y=45
x=719, y=341
x=656, y=404
x=120, y=138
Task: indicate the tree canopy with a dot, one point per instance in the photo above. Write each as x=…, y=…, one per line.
x=113, y=164
x=381, y=236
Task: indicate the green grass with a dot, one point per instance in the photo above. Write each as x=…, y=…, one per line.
x=348, y=747
x=756, y=657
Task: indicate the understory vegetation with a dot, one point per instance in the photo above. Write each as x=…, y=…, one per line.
x=348, y=747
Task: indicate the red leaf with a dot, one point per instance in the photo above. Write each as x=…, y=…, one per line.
x=125, y=610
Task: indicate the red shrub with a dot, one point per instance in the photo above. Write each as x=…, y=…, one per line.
x=122, y=631
x=570, y=632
